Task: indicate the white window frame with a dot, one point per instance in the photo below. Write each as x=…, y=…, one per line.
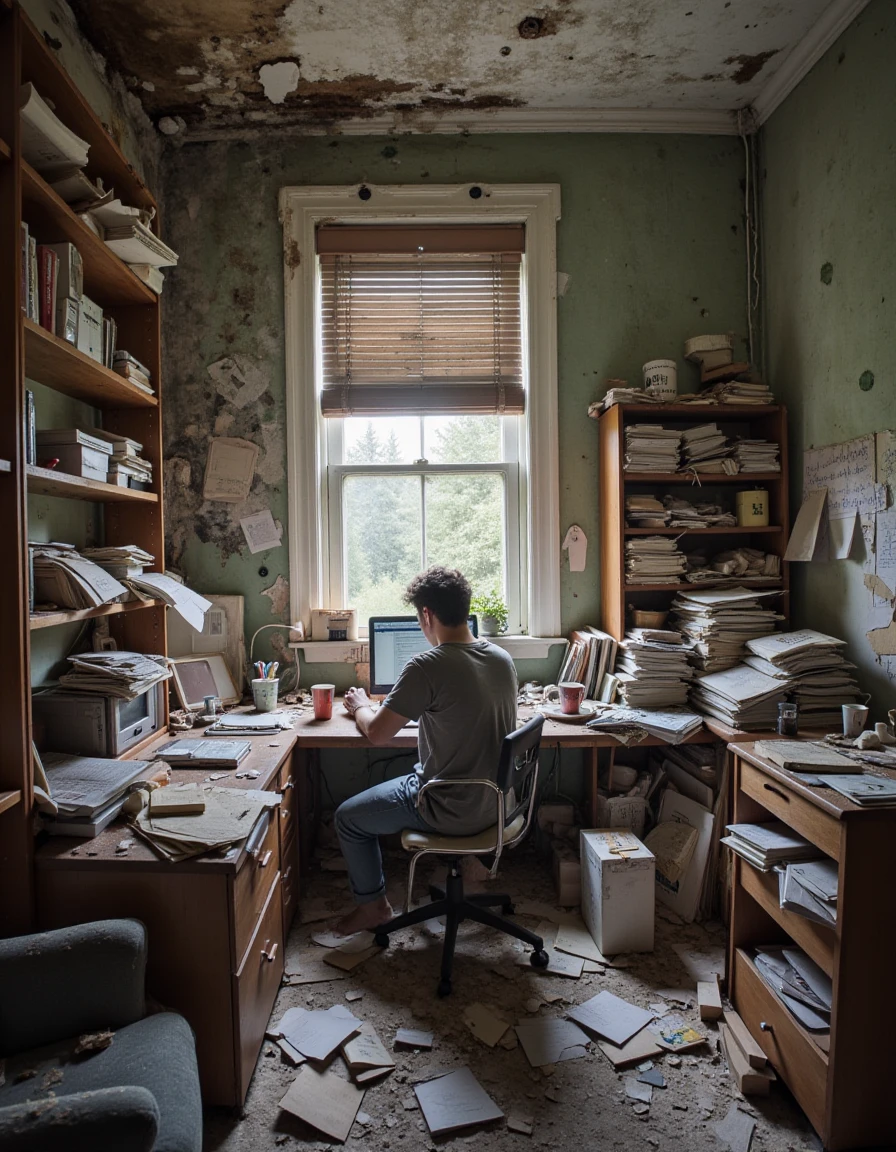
x=537, y=206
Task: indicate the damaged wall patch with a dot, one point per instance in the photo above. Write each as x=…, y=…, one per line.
x=279, y=79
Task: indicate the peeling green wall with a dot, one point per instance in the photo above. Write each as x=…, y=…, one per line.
x=651, y=238
x=829, y=154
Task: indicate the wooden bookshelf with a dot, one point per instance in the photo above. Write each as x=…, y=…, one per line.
x=59, y=365
x=63, y=616
x=49, y=482
x=753, y=421
x=9, y=799
x=5, y=151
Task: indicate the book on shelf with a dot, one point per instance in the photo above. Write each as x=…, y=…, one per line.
x=33, y=290
x=26, y=266
x=47, y=144
x=137, y=244
x=70, y=273
x=90, y=329
x=122, y=361
x=67, y=316
x=48, y=266
x=30, y=429
x=110, y=335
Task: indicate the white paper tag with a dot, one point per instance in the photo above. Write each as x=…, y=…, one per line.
x=576, y=543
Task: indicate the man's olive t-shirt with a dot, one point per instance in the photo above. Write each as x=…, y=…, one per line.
x=464, y=696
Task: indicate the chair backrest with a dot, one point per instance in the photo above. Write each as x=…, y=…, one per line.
x=518, y=768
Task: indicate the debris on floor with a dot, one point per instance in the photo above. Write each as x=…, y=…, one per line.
x=455, y=1102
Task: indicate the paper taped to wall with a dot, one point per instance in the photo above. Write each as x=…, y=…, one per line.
x=260, y=531
x=230, y=469
x=849, y=473
x=807, y=539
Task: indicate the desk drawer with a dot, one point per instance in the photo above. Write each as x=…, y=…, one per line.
x=794, y=1055
x=796, y=812
x=256, y=985
x=252, y=886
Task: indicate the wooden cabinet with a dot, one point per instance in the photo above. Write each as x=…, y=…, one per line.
x=843, y=1082
x=762, y=422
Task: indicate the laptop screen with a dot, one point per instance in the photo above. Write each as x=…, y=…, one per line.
x=393, y=641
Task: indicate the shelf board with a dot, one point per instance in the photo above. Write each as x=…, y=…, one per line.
x=706, y=479
x=49, y=482
x=107, y=279
x=59, y=365
x=5, y=150
x=704, y=586
x=10, y=799
x=67, y=616
x=706, y=411
x=735, y=531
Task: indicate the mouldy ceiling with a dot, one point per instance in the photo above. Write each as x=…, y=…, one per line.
x=234, y=64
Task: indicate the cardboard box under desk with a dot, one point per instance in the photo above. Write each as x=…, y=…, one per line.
x=618, y=890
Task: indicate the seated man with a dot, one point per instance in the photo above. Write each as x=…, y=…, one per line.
x=463, y=692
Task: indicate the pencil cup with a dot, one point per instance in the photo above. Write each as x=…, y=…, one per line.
x=264, y=693
x=322, y=699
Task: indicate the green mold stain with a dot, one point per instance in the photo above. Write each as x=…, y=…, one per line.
x=866, y=381
x=827, y=273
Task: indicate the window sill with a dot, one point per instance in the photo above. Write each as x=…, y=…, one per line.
x=355, y=651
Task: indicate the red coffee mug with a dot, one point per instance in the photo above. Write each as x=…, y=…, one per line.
x=322, y=697
x=572, y=693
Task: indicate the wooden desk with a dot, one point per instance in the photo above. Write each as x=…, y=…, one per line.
x=844, y=1087
x=216, y=925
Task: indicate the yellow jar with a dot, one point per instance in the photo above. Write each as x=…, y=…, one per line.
x=752, y=508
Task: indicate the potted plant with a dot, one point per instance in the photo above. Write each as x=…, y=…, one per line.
x=492, y=613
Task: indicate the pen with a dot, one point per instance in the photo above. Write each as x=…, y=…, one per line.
x=272, y=670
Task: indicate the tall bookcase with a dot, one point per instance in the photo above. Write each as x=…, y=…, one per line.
x=32, y=353
x=753, y=421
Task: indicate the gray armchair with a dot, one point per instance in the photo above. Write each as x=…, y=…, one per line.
x=140, y=1094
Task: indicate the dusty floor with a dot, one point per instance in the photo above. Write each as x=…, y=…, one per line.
x=586, y=1107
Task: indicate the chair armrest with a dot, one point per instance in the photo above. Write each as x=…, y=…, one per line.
x=112, y=1119
x=72, y=980
x=499, y=795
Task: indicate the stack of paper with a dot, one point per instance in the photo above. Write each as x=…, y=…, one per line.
x=228, y=818
x=765, y=845
x=125, y=675
x=64, y=578
x=126, y=560
x=653, y=669
x=739, y=392
x=205, y=753
x=798, y=982
x=670, y=724
x=645, y=512
x=590, y=655
x=706, y=449
x=867, y=790
x=822, y=677
x=810, y=889
x=734, y=565
x=653, y=560
x=187, y=603
x=721, y=621
x=249, y=724
x=651, y=448
x=684, y=514
x=740, y=696
x=136, y=244
x=88, y=791
x=757, y=455
x=47, y=144
x=620, y=393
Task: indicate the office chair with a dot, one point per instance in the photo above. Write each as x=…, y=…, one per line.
x=515, y=793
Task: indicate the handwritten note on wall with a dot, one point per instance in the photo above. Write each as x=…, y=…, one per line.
x=849, y=472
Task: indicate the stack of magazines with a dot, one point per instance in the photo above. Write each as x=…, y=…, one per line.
x=125, y=675
x=720, y=621
x=653, y=560
x=653, y=669
x=651, y=448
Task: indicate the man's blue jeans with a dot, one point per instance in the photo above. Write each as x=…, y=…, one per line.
x=361, y=820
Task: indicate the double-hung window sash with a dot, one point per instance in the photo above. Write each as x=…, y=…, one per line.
x=421, y=320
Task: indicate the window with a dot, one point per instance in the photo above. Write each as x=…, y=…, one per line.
x=415, y=433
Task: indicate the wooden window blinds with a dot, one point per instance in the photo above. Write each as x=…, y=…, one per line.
x=421, y=320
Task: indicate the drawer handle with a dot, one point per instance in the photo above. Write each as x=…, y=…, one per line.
x=284, y=813
x=764, y=1026
x=266, y=859
x=287, y=874
x=271, y=953
x=777, y=792
x=287, y=785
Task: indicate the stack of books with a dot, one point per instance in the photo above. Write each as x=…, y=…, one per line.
x=706, y=449
x=121, y=562
x=654, y=560
x=822, y=678
x=125, y=675
x=131, y=369
x=645, y=512
x=767, y=846
x=740, y=697
x=205, y=753
x=757, y=455
x=721, y=621
x=653, y=669
x=651, y=448
x=684, y=514
x=734, y=391
x=89, y=791
x=590, y=656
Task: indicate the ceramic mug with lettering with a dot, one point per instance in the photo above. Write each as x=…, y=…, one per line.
x=570, y=694
x=854, y=717
x=322, y=700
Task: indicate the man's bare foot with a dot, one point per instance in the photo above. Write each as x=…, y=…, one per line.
x=364, y=918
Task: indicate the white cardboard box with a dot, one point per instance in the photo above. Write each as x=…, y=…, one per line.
x=618, y=890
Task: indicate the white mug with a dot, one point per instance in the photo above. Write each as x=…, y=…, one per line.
x=854, y=717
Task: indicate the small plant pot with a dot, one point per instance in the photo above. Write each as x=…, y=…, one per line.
x=488, y=626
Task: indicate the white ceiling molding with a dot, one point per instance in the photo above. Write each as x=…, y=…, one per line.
x=835, y=19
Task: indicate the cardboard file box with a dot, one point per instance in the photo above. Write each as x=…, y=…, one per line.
x=618, y=890
x=76, y=460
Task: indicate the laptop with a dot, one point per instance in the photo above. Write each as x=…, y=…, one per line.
x=393, y=641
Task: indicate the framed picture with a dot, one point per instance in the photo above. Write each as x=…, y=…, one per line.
x=196, y=677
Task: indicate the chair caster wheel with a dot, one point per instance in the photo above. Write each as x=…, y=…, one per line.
x=539, y=959
x=444, y=988
x=381, y=939
x=507, y=910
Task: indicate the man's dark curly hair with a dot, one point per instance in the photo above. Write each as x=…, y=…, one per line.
x=444, y=591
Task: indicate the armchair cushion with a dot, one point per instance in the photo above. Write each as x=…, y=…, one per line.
x=156, y=1054
x=113, y=1119
x=485, y=841
x=70, y=981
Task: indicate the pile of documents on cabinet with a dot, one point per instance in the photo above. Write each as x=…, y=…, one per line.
x=721, y=621
x=733, y=565
x=807, y=880
x=705, y=448
x=801, y=986
x=738, y=392
x=123, y=674
x=121, y=562
x=620, y=393
x=652, y=668
x=88, y=791
x=683, y=514
x=215, y=818
x=653, y=560
x=757, y=456
x=62, y=577
x=740, y=696
x=651, y=448
x=820, y=678
x=767, y=846
x=645, y=512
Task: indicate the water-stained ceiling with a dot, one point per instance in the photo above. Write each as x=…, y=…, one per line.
x=232, y=64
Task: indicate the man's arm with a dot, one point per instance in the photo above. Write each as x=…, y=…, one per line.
x=378, y=726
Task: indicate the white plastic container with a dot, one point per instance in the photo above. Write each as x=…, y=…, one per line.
x=264, y=694
x=618, y=890
x=661, y=379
